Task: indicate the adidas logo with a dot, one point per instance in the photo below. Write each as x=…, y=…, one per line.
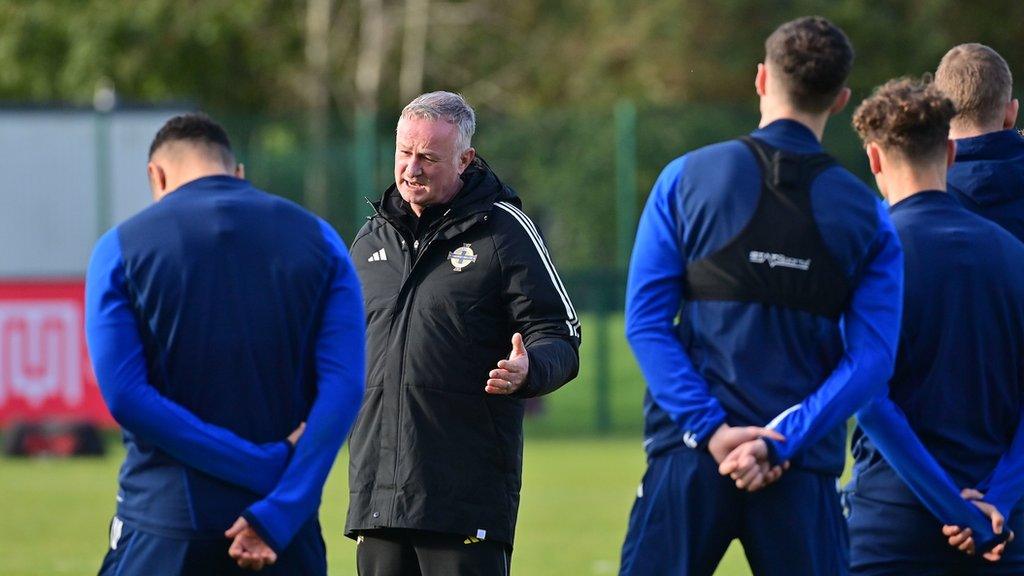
x=378, y=256
x=471, y=540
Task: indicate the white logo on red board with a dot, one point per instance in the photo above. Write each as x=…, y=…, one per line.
x=40, y=352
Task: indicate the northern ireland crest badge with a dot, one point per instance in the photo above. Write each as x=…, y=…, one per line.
x=462, y=257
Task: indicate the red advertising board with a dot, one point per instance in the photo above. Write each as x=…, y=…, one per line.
x=45, y=372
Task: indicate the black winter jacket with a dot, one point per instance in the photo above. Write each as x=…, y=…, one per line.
x=430, y=449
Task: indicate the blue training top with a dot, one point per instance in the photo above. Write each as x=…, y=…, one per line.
x=988, y=178
x=958, y=388
x=218, y=320
x=750, y=363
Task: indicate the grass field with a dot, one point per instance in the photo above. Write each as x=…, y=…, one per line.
x=577, y=490
x=576, y=497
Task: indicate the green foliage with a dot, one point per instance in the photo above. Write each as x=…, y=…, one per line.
x=516, y=57
x=544, y=75
x=224, y=53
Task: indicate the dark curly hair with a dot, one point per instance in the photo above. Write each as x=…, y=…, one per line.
x=907, y=115
x=196, y=128
x=813, y=58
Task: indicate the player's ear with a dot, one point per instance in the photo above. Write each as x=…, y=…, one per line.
x=761, y=79
x=157, y=180
x=950, y=152
x=842, y=99
x=1010, y=120
x=240, y=171
x=874, y=158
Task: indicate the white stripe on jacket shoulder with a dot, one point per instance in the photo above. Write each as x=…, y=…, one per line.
x=572, y=320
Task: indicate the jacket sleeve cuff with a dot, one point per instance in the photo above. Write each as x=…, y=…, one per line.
x=997, y=539
x=256, y=524
x=530, y=388
x=703, y=437
x=998, y=500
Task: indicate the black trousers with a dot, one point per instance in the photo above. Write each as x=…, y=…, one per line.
x=400, y=552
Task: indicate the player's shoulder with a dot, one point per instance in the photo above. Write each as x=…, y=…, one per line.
x=843, y=182
x=838, y=191
x=281, y=205
x=106, y=252
x=993, y=235
x=1003, y=251
x=724, y=149
x=155, y=211
x=712, y=157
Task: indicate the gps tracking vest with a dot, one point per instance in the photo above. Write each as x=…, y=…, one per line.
x=779, y=258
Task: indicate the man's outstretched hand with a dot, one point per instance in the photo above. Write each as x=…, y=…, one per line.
x=962, y=538
x=247, y=548
x=742, y=454
x=511, y=374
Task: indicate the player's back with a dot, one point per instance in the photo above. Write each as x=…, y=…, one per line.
x=959, y=375
x=226, y=283
x=988, y=178
x=758, y=359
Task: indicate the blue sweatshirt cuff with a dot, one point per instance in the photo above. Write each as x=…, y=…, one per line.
x=261, y=529
x=1001, y=502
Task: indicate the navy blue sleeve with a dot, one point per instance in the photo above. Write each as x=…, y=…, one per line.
x=888, y=428
x=654, y=296
x=1005, y=486
x=870, y=328
x=115, y=348
x=340, y=365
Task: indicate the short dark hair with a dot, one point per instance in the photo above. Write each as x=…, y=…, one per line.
x=812, y=57
x=199, y=129
x=979, y=82
x=906, y=115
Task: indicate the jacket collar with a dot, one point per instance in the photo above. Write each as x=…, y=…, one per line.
x=789, y=135
x=922, y=199
x=991, y=146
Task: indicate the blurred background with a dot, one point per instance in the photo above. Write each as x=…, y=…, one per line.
x=579, y=106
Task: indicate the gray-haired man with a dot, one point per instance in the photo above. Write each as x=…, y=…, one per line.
x=466, y=317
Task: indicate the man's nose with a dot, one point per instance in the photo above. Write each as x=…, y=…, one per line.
x=413, y=168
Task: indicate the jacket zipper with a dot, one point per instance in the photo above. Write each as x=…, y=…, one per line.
x=428, y=242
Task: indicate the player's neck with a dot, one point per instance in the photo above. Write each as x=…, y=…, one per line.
x=191, y=174
x=905, y=181
x=961, y=131
x=814, y=122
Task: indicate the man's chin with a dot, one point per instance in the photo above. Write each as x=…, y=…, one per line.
x=418, y=196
